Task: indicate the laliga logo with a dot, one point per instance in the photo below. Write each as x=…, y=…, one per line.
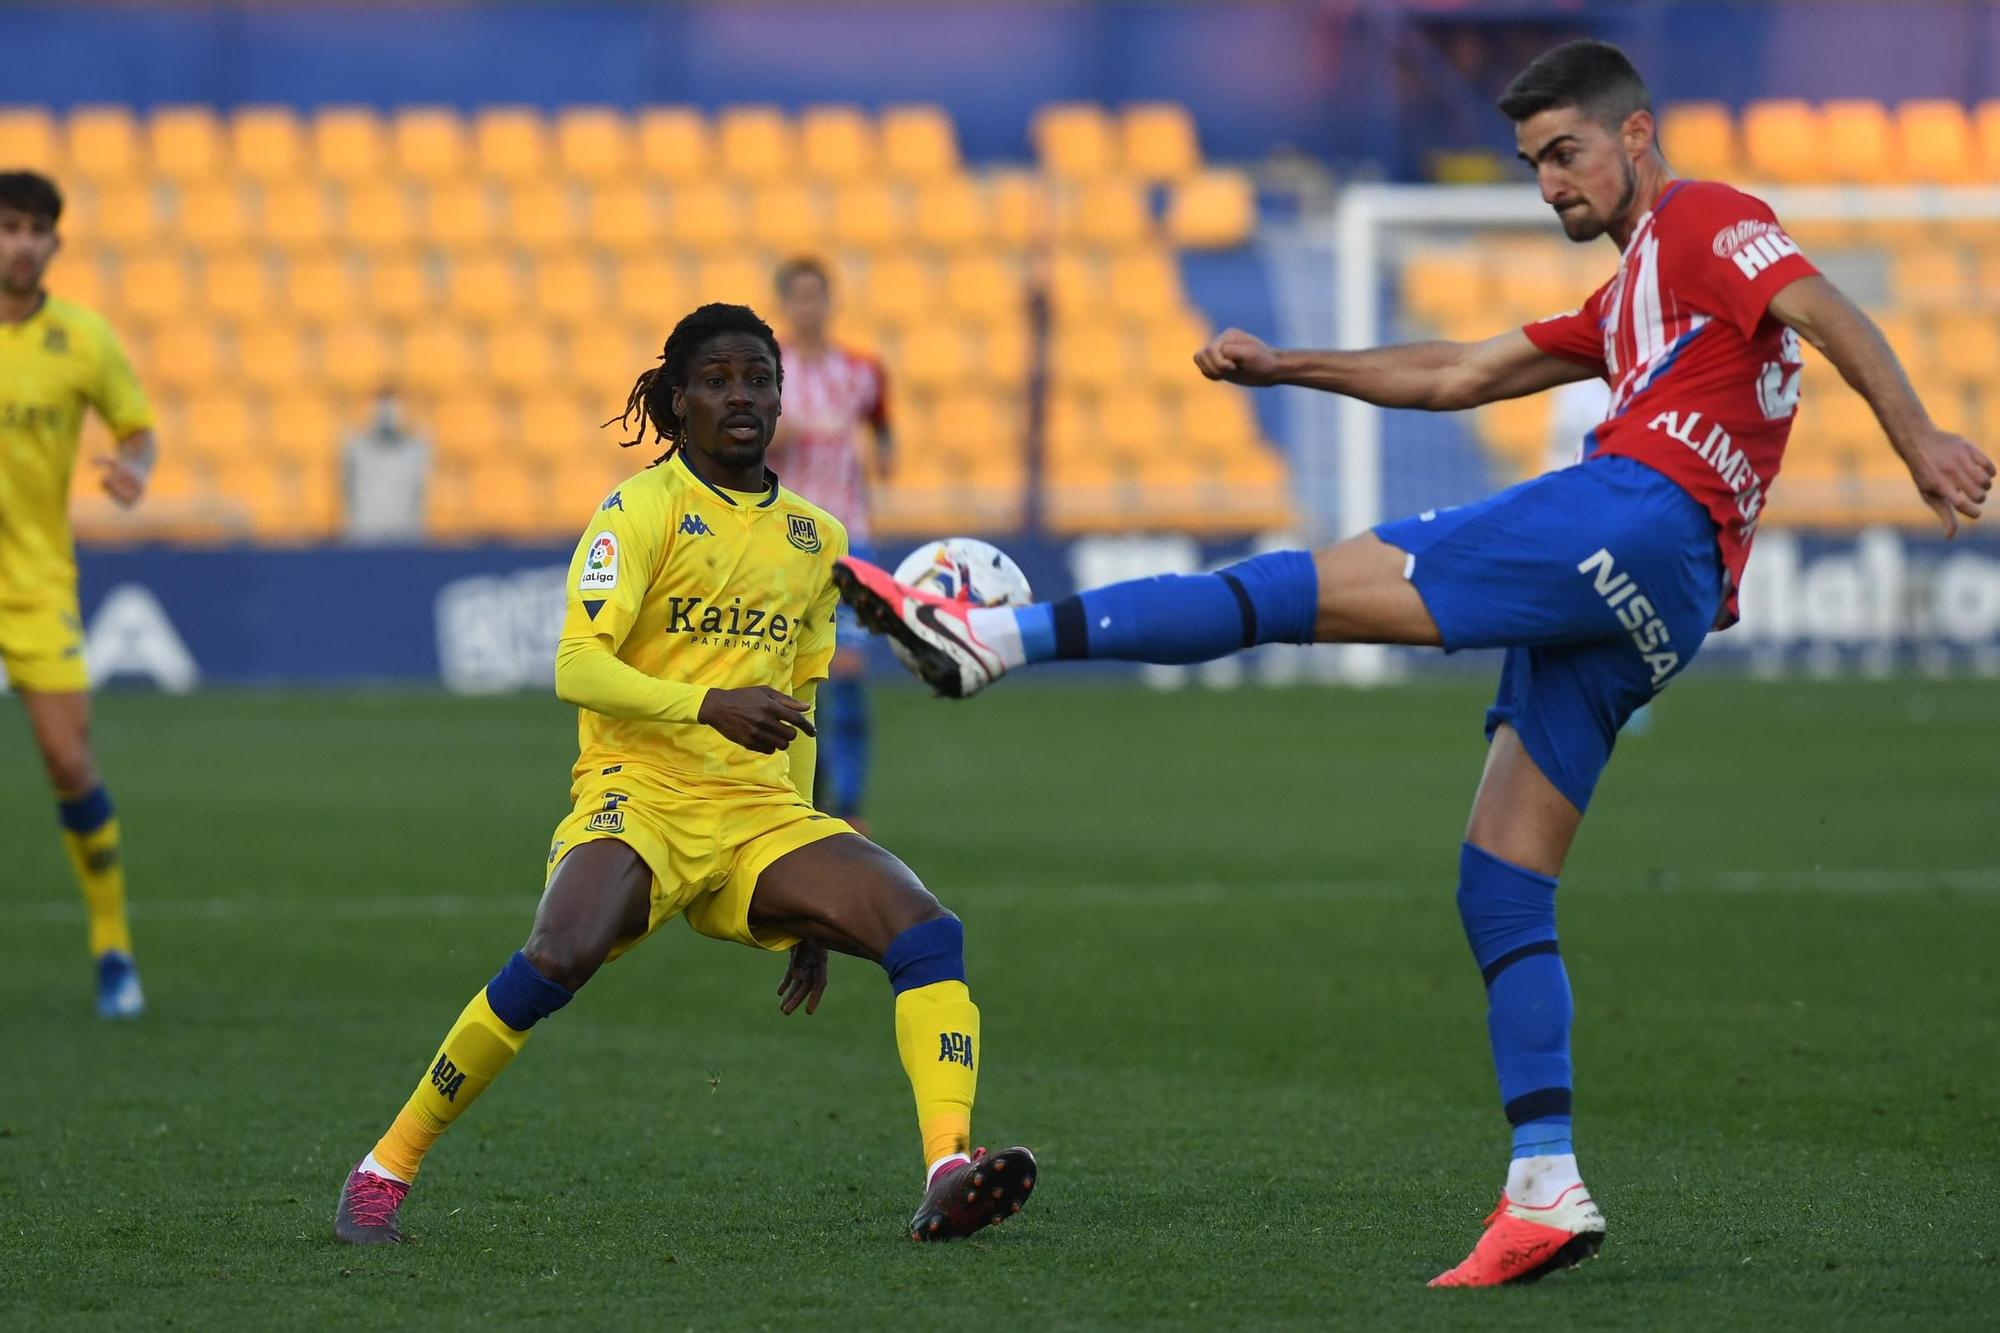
x=600, y=552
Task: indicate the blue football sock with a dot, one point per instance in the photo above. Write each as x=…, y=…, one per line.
x=1510, y=920
x=848, y=730
x=1176, y=618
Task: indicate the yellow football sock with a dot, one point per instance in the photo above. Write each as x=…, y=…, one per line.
x=937, y=1034
x=476, y=1049
x=90, y=836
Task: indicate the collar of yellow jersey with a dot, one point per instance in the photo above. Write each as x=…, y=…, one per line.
x=770, y=483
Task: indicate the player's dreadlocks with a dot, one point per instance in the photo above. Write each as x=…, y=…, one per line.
x=651, y=401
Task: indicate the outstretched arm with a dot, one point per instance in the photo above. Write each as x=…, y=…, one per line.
x=1434, y=376
x=1952, y=475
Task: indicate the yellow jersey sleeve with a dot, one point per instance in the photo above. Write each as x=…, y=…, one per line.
x=615, y=564
x=114, y=391
x=815, y=654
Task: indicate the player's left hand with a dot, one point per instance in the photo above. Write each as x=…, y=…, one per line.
x=124, y=479
x=1952, y=475
x=805, y=978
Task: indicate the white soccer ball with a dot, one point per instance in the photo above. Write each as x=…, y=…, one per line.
x=966, y=569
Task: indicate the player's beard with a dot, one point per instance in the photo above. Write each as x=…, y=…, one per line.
x=1584, y=225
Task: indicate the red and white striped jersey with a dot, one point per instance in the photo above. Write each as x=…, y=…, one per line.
x=1704, y=384
x=827, y=399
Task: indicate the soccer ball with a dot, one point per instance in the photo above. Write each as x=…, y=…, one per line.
x=965, y=569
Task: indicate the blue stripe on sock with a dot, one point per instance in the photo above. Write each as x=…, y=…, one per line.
x=86, y=813
x=925, y=954
x=522, y=996
x=1547, y=1137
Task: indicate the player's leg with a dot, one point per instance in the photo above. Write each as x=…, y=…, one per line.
x=599, y=896
x=848, y=894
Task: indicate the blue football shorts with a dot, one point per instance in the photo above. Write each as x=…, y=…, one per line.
x=1600, y=580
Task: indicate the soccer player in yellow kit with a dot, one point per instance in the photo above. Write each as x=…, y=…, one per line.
x=56, y=360
x=700, y=625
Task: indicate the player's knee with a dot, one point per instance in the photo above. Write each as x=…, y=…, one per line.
x=70, y=765
x=567, y=958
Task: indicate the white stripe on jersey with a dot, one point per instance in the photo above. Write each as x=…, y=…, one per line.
x=1643, y=336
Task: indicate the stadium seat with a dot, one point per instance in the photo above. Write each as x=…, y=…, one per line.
x=267, y=144
x=28, y=139
x=984, y=285
x=184, y=144
x=707, y=216
x=154, y=288
x=510, y=143
x=428, y=144
x=1986, y=124
x=594, y=143
x=126, y=217
x=919, y=143
x=1934, y=141
x=898, y=289
x=484, y=288
x=186, y=355
x=355, y=359
x=379, y=218
x=1145, y=284
x=467, y=425
x=1002, y=355
x=459, y=216
x=1111, y=213
x=221, y=425
x=1860, y=141
x=321, y=289
x=836, y=143
x=1928, y=277
x=649, y=291
x=558, y=426
x=787, y=216
x=1699, y=140
x=78, y=275
x=399, y=289
x=755, y=143
x=1215, y=417
x=1072, y=425
x=521, y=358
x=1018, y=208
x=214, y=217
x=1159, y=142
x=674, y=143
x=568, y=290
x=932, y=356
x=302, y=428
x=1075, y=140
x=1076, y=286
x=1784, y=141
x=734, y=277
x=1517, y=429
x=869, y=215
x=438, y=357
x=271, y=356
x=237, y=287
x=296, y=216
x=1440, y=284
x=623, y=219
x=605, y=359
x=1212, y=211
x=972, y=421
x=1968, y=347
x=542, y=215
x=101, y=143
x=1167, y=348
x=950, y=214
x=1136, y=423
x=1091, y=356
x=349, y=145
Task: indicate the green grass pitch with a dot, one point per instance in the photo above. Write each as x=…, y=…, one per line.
x=1225, y=995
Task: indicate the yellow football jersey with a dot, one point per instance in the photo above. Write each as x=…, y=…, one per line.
x=53, y=364
x=696, y=584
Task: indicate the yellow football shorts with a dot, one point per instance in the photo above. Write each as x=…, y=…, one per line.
x=42, y=645
x=705, y=852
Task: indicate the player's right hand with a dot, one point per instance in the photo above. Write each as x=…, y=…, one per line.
x=1239, y=358
x=756, y=717
x=1952, y=475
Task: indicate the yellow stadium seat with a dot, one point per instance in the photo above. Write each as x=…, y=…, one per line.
x=428, y=143
x=221, y=425
x=267, y=144
x=972, y=421
x=321, y=289
x=302, y=427
x=951, y=213
x=1075, y=140
x=127, y=217
x=556, y=426
x=1518, y=430
x=984, y=285
x=184, y=144
x=1107, y=212
x=438, y=358
x=568, y=289
x=1986, y=266
x=1784, y=140
x=1159, y=141
x=1910, y=339
x=1968, y=347
x=869, y=215
x=604, y=359
x=237, y=287
x=1090, y=356
x=1934, y=141
x=521, y=358
x=707, y=216
x=1168, y=348
x=755, y=143
x=78, y=275
x=155, y=288
x=1145, y=284
x=836, y=143
x=898, y=289
x=918, y=142
x=469, y=426
x=399, y=289
x=355, y=358
x=1440, y=284
x=483, y=288
x=734, y=278
x=186, y=355
x=932, y=356
x=1699, y=140
x=215, y=217
x=102, y=144
x=623, y=218
x=1986, y=128
x=271, y=356
x=786, y=215
x=1072, y=425
x=1135, y=422
x=647, y=290
x=510, y=143
x=1003, y=350
x=542, y=215
x=1076, y=285
x=379, y=218
x=1213, y=211
x=28, y=139
x=1018, y=207
x=594, y=143
x=349, y=144
x=1928, y=277
x=1860, y=141
x=674, y=143
x=1215, y=417
x=459, y=216
x=296, y=217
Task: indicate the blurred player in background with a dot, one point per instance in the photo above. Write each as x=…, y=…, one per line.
x=700, y=627
x=56, y=360
x=1600, y=580
x=830, y=394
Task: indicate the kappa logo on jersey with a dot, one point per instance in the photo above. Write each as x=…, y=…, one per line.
x=446, y=1078
x=693, y=525
x=1754, y=246
x=804, y=533
x=617, y=501
x=1635, y=612
x=600, y=565
x=955, y=1048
